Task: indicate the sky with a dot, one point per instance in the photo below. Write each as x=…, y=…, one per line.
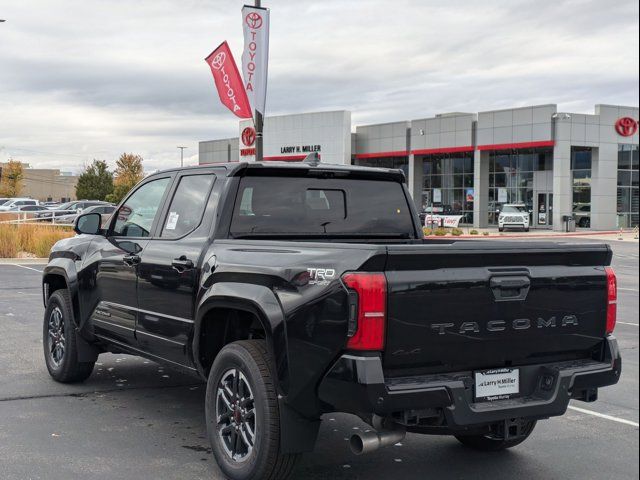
x=92, y=79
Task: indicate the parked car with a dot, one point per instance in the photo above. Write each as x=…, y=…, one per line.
x=17, y=202
x=104, y=210
x=582, y=214
x=513, y=215
x=51, y=205
x=296, y=290
x=69, y=208
x=4, y=200
x=27, y=208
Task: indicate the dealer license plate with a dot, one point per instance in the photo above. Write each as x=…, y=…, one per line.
x=497, y=384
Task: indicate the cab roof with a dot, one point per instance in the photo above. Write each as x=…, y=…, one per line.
x=269, y=168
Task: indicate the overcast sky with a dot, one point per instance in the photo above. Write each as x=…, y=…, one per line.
x=91, y=79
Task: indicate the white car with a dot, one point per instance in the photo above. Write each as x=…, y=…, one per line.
x=513, y=216
x=17, y=202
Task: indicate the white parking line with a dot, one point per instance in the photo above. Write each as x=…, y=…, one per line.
x=606, y=417
x=23, y=266
x=628, y=289
x=627, y=323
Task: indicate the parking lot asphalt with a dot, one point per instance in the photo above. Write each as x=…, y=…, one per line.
x=134, y=419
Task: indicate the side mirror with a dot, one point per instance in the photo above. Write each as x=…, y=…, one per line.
x=89, y=224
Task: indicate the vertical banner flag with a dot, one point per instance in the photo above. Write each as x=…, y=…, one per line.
x=255, y=57
x=228, y=81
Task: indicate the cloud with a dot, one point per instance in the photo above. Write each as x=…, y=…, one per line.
x=89, y=79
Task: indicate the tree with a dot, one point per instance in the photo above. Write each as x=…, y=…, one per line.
x=128, y=173
x=11, y=176
x=95, y=182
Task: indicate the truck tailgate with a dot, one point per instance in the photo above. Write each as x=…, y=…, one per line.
x=480, y=304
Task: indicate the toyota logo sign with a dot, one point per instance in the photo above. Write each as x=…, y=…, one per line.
x=626, y=126
x=248, y=136
x=218, y=60
x=254, y=20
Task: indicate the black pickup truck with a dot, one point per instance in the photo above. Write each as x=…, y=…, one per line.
x=300, y=289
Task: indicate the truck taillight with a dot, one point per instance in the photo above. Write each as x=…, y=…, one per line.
x=612, y=299
x=368, y=310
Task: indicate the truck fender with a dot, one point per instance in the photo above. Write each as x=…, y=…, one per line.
x=65, y=267
x=260, y=301
x=298, y=434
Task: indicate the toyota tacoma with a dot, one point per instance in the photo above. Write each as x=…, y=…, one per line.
x=295, y=290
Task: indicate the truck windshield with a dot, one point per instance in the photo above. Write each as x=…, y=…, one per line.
x=514, y=209
x=316, y=207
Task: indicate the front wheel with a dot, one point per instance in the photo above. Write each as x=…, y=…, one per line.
x=242, y=413
x=59, y=341
x=494, y=442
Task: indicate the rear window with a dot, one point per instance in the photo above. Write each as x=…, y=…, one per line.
x=318, y=207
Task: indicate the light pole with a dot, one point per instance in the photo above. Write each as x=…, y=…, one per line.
x=258, y=121
x=182, y=155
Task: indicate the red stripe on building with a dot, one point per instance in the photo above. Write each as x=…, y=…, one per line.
x=285, y=158
x=399, y=153
x=432, y=151
x=515, y=146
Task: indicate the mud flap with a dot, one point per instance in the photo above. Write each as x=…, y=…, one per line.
x=297, y=434
x=86, y=352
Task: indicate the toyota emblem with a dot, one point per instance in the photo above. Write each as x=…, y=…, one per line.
x=254, y=20
x=626, y=126
x=248, y=136
x=218, y=60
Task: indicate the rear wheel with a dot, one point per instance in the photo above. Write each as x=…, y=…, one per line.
x=59, y=341
x=243, y=418
x=494, y=442
x=501, y=229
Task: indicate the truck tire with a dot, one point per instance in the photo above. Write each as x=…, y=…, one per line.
x=242, y=414
x=59, y=341
x=491, y=443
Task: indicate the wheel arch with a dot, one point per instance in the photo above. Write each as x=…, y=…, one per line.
x=58, y=275
x=255, y=300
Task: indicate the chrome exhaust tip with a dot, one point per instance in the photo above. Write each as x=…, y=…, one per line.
x=367, y=442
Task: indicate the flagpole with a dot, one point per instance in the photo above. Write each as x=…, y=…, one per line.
x=258, y=122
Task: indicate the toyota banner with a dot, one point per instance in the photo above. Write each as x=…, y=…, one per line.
x=255, y=57
x=228, y=81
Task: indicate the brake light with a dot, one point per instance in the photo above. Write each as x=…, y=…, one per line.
x=369, y=310
x=612, y=299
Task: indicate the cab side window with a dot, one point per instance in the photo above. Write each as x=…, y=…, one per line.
x=135, y=216
x=187, y=205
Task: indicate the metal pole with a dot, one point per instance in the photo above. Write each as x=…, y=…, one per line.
x=258, y=121
x=182, y=156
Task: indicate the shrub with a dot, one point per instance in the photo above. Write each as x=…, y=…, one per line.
x=456, y=232
x=34, y=239
x=485, y=233
x=426, y=231
x=473, y=232
x=440, y=232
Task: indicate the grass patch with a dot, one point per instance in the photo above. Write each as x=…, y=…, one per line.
x=34, y=239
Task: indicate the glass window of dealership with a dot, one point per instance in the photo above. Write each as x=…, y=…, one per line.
x=469, y=165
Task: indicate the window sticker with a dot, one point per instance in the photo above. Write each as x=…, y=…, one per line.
x=172, y=220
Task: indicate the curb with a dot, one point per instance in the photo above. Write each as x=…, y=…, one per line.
x=536, y=235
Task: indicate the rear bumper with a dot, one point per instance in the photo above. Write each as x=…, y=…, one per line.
x=356, y=384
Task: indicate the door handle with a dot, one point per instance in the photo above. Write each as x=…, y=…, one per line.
x=131, y=260
x=182, y=264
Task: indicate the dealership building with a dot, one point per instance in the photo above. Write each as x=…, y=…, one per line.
x=557, y=164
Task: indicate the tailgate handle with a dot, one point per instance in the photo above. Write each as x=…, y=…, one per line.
x=510, y=288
